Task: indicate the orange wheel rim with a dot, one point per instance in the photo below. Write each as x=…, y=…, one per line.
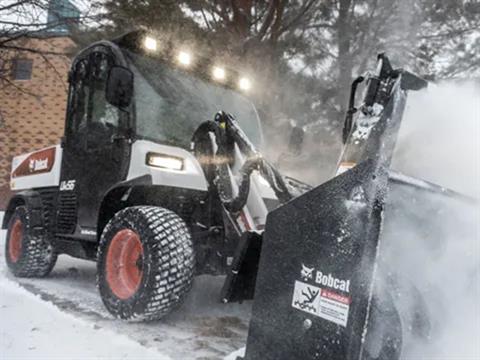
x=124, y=265
x=15, y=241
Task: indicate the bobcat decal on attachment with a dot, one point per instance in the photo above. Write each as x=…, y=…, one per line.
x=306, y=273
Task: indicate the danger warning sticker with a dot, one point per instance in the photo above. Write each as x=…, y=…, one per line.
x=323, y=303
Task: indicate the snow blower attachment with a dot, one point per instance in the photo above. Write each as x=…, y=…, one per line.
x=328, y=284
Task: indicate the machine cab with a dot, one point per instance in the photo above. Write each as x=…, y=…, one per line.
x=128, y=102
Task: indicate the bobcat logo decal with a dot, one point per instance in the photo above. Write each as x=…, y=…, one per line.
x=306, y=273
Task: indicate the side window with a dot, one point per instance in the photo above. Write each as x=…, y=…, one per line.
x=92, y=120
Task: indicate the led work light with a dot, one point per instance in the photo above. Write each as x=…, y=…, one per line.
x=184, y=58
x=165, y=161
x=218, y=73
x=150, y=43
x=244, y=84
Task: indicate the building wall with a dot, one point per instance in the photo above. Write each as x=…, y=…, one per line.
x=32, y=112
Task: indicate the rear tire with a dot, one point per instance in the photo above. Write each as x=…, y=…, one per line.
x=145, y=263
x=28, y=251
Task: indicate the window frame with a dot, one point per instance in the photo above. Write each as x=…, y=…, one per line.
x=72, y=126
x=72, y=121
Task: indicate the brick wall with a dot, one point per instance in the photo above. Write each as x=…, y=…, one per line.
x=33, y=111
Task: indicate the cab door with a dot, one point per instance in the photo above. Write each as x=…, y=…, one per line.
x=96, y=150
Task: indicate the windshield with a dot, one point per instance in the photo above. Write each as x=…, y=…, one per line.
x=170, y=104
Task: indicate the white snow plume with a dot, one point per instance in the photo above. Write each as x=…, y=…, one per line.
x=439, y=140
x=430, y=247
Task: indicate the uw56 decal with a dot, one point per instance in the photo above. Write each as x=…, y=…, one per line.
x=36, y=163
x=67, y=185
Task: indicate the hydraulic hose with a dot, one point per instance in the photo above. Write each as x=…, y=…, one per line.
x=213, y=144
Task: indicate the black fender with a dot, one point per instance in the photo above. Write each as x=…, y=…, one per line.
x=142, y=191
x=114, y=199
x=33, y=201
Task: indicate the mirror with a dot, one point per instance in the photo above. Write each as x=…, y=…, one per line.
x=119, y=90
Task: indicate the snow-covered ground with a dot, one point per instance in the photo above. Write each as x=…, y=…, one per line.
x=33, y=328
x=62, y=316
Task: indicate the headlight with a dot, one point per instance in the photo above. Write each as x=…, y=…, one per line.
x=244, y=84
x=150, y=43
x=218, y=73
x=164, y=161
x=184, y=58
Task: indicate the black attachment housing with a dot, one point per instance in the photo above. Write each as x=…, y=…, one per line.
x=316, y=293
x=316, y=239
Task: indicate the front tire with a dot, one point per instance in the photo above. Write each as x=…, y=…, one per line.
x=145, y=263
x=28, y=251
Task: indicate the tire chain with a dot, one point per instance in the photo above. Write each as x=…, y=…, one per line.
x=171, y=249
x=38, y=257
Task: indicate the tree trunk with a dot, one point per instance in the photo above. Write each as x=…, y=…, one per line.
x=345, y=62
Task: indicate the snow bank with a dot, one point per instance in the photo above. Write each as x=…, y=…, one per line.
x=32, y=328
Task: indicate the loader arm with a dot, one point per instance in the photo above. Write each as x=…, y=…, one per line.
x=229, y=161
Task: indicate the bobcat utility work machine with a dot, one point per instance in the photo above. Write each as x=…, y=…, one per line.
x=152, y=192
